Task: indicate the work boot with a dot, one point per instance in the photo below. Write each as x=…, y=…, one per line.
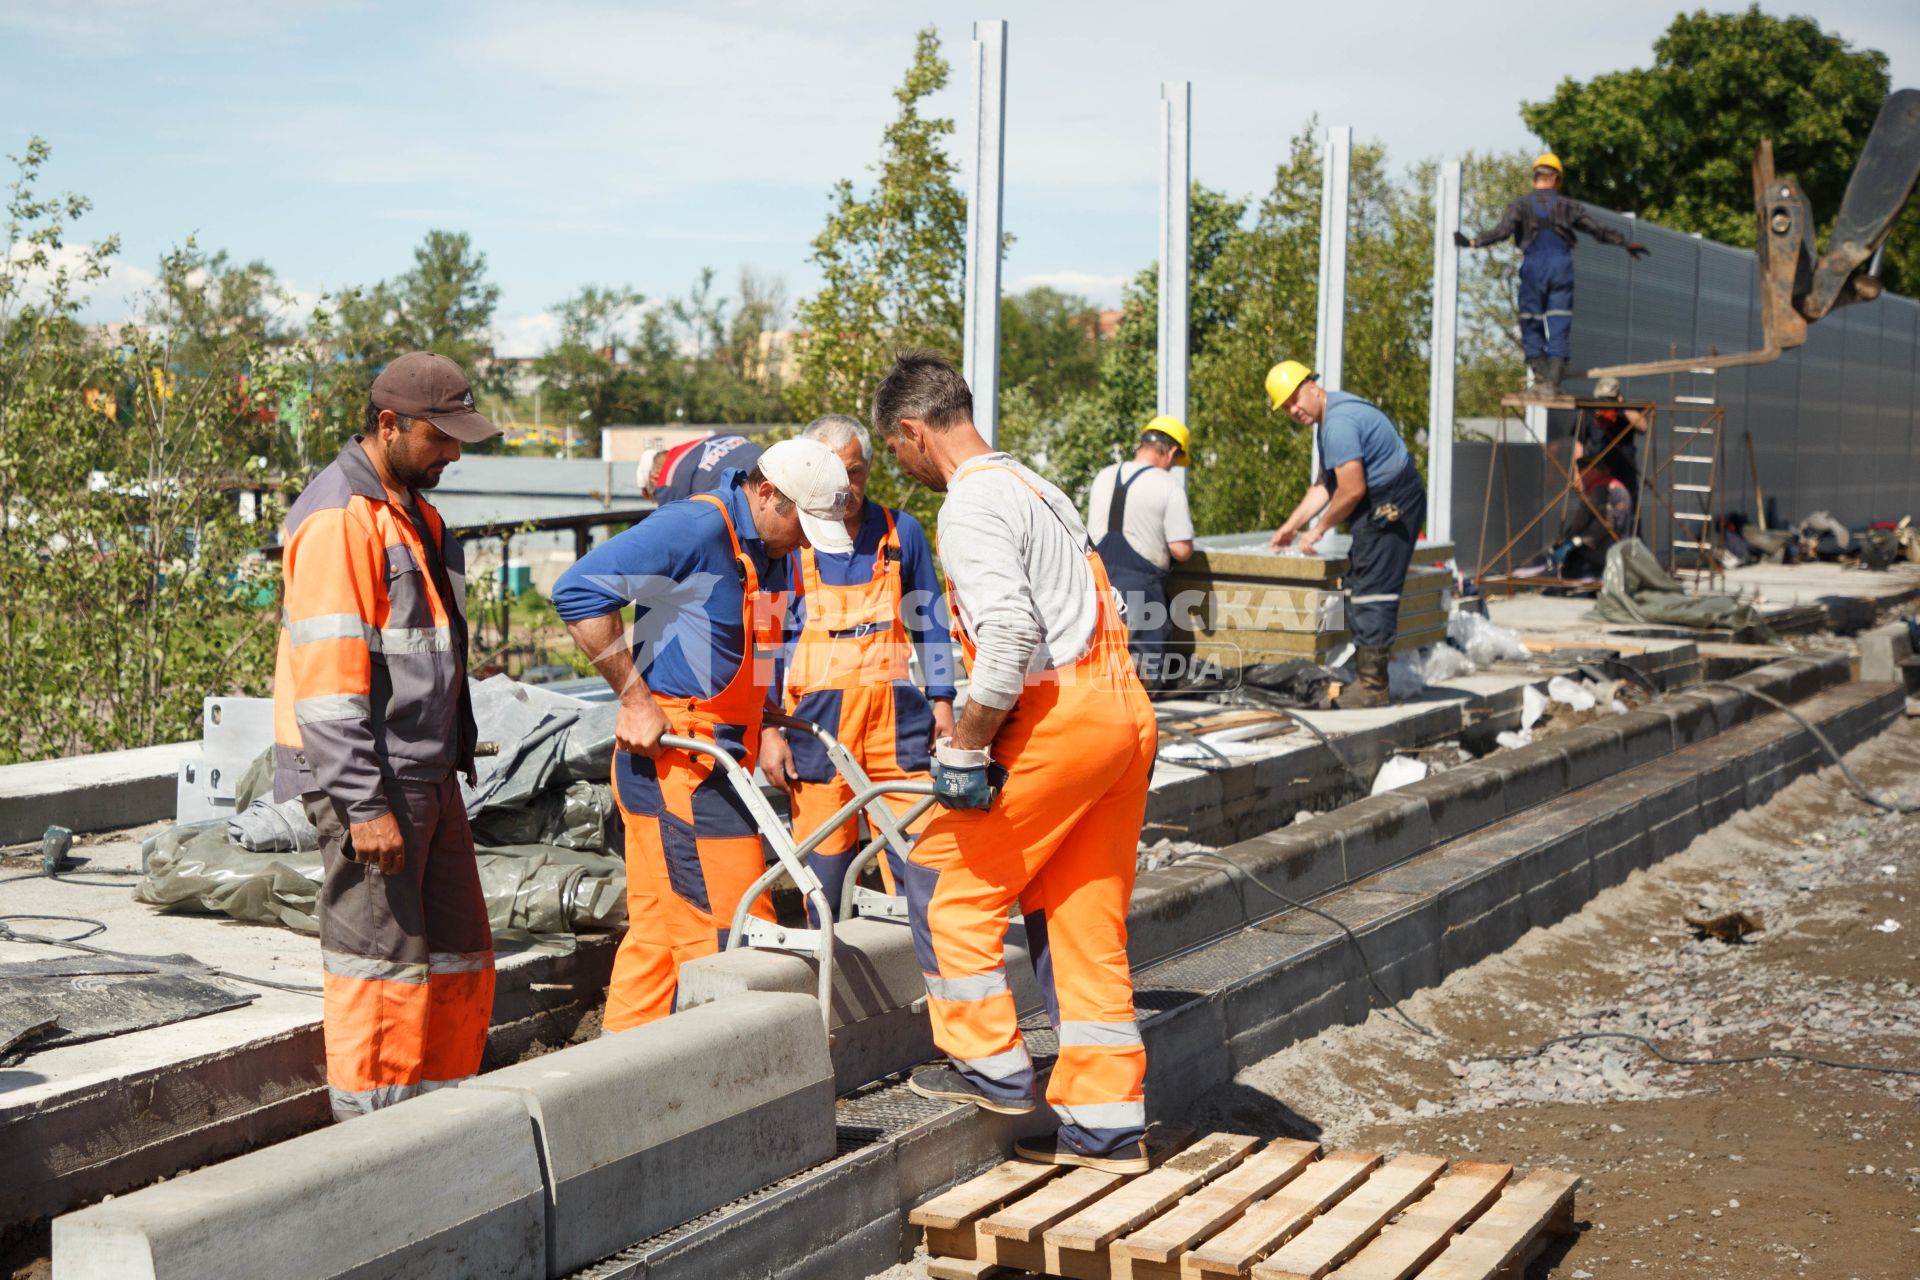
x=1556, y=373
x=1370, y=690
x=947, y=1084
x=1049, y=1149
x=1539, y=367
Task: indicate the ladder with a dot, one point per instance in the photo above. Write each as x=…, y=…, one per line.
x=1695, y=525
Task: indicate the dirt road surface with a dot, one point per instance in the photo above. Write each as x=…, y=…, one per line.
x=1764, y=1169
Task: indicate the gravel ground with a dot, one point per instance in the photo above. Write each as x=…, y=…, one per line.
x=1773, y=1168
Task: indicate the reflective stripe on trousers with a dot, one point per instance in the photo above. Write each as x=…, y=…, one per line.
x=406, y=959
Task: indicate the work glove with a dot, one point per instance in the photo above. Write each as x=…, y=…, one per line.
x=1461, y=242
x=965, y=779
x=1637, y=250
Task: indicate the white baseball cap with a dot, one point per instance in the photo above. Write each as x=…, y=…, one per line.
x=649, y=461
x=814, y=478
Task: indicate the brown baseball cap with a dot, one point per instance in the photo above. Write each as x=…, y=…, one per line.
x=421, y=384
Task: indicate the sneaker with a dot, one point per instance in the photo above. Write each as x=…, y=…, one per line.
x=1048, y=1149
x=945, y=1084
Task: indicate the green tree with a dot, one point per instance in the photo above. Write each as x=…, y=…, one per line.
x=132, y=584
x=1050, y=344
x=445, y=303
x=893, y=262
x=1674, y=142
x=582, y=373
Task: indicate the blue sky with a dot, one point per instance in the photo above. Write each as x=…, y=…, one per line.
x=584, y=142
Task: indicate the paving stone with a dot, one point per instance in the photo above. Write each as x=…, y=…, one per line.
x=1530, y=775
x=1461, y=800
x=443, y=1187
x=1380, y=831
x=1183, y=905
x=1300, y=862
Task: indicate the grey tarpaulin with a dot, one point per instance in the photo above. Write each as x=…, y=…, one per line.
x=1634, y=588
x=528, y=726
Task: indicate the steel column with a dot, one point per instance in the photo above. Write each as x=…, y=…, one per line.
x=1330, y=330
x=985, y=192
x=1176, y=186
x=1444, y=349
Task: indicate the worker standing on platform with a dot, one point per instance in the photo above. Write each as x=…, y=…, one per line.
x=1368, y=479
x=704, y=577
x=1044, y=784
x=372, y=719
x=1601, y=429
x=1543, y=223
x=854, y=620
x=668, y=475
x=1137, y=514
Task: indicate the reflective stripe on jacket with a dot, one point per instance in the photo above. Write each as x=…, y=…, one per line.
x=370, y=678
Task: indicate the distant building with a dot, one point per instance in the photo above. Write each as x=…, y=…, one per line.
x=775, y=358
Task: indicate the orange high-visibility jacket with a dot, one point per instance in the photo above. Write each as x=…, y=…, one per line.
x=370, y=681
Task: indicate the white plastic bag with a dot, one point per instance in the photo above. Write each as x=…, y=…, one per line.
x=1571, y=692
x=1444, y=662
x=1483, y=641
x=1397, y=772
x=1405, y=681
x=1533, y=705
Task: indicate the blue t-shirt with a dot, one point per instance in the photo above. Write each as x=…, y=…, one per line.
x=677, y=569
x=923, y=604
x=1353, y=428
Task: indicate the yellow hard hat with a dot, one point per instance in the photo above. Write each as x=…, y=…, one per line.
x=1172, y=428
x=1284, y=379
x=1548, y=160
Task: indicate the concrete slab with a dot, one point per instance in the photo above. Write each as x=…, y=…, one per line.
x=442, y=1187
x=102, y=792
x=643, y=1130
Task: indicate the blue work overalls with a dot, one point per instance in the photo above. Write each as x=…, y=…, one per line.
x=1546, y=287
x=1140, y=582
x=1384, y=527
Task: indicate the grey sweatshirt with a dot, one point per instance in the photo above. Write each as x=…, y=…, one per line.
x=1019, y=573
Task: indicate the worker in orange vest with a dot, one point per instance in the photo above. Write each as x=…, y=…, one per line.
x=854, y=620
x=1043, y=785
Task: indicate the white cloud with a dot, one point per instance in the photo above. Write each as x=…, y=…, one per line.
x=526, y=335
x=111, y=297
x=1101, y=289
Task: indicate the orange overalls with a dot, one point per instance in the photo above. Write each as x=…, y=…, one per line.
x=1062, y=836
x=848, y=673
x=692, y=847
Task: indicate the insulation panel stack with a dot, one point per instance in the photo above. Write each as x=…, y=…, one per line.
x=1237, y=606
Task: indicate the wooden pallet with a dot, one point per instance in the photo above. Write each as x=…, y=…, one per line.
x=1224, y=1205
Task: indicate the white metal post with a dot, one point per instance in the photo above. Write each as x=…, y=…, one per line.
x=981, y=355
x=1330, y=332
x=1176, y=186
x=1444, y=349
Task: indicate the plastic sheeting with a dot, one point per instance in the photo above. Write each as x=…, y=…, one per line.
x=1292, y=683
x=537, y=889
x=1634, y=588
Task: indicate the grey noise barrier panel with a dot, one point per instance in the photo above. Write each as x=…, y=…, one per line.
x=442, y=1187
x=1211, y=1009
x=643, y=1129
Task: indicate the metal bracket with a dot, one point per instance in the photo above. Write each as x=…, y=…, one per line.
x=871, y=904
x=779, y=937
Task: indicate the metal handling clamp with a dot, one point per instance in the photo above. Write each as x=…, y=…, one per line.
x=790, y=860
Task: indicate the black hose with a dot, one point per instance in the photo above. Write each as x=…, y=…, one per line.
x=1853, y=781
x=9, y=934
x=1352, y=937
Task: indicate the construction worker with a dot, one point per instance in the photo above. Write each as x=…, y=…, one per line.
x=1137, y=514
x=1043, y=786
x=1543, y=223
x=1367, y=479
x=668, y=475
x=1601, y=428
x=704, y=577
x=852, y=624
x=372, y=718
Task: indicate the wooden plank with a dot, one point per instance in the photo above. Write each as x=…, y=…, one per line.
x=1501, y=1236
x=1218, y=720
x=1012, y=1236
x=981, y=1195
x=1274, y=1221
x=1153, y=1252
x=1338, y=1234
x=1599, y=640
x=1077, y=1247
x=1418, y=1235
x=964, y=1269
